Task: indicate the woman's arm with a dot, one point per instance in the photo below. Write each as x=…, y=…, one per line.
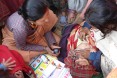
x=84, y=10
x=50, y=38
x=20, y=36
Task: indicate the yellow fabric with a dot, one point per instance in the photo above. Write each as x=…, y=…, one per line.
x=112, y=74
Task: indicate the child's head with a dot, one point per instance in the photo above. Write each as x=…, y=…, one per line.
x=63, y=13
x=102, y=14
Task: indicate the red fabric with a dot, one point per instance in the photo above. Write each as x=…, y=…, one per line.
x=20, y=64
x=13, y=5
x=4, y=11
x=8, y=7
x=78, y=71
x=72, y=42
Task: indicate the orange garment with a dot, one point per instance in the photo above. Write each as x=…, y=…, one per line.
x=37, y=37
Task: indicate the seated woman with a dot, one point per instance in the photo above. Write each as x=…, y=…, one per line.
x=13, y=63
x=28, y=31
x=102, y=15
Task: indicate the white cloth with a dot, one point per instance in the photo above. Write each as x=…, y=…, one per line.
x=108, y=46
x=77, y=5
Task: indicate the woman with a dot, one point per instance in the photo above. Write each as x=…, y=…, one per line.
x=102, y=15
x=28, y=30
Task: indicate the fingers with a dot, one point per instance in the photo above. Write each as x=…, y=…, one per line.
x=19, y=74
x=7, y=61
x=9, y=64
x=3, y=60
x=10, y=68
x=54, y=46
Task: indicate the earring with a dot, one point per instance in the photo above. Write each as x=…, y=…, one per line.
x=33, y=25
x=46, y=20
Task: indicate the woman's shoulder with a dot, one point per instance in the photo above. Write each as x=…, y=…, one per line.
x=15, y=21
x=15, y=16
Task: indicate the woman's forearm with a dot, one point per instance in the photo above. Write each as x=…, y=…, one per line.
x=87, y=5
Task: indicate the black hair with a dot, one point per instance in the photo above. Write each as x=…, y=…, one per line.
x=102, y=14
x=6, y=74
x=33, y=9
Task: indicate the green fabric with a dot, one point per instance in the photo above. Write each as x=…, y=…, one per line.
x=98, y=76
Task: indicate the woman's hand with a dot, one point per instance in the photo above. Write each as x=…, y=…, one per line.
x=84, y=31
x=50, y=52
x=71, y=16
x=55, y=46
x=9, y=64
x=82, y=15
x=19, y=74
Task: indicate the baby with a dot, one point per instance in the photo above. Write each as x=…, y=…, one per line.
x=63, y=19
